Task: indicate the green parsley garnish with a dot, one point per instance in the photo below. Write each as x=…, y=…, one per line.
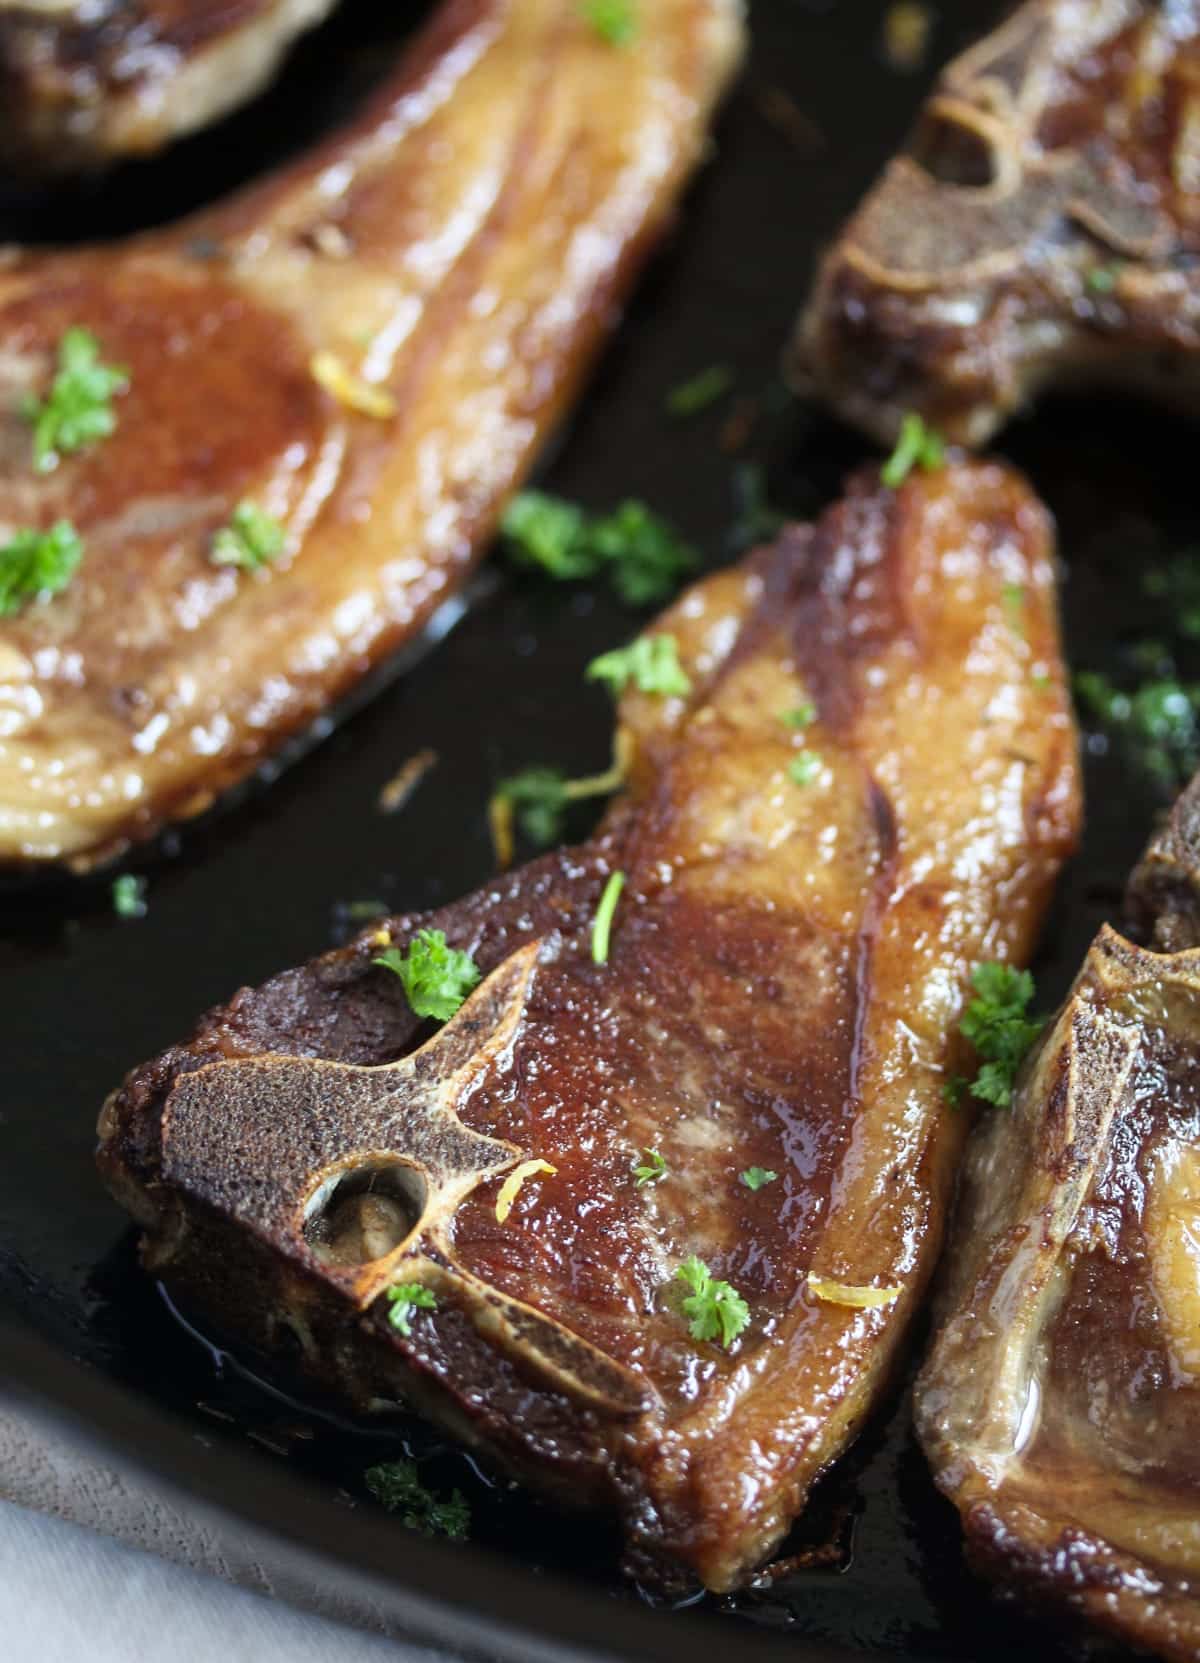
x=397, y=1485
x=538, y=796
x=651, y=1170
x=997, y=1026
x=602, y=923
x=436, y=978
x=1103, y=279
x=755, y=1177
x=613, y=20
x=1159, y=720
x=1041, y=680
x=1178, y=582
x=651, y=663
x=701, y=391
x=1013, y=596
x=918, y=446
x=34, y=563
x=803, y=716
x=129, y=896
x=250, y=540
x=804, y=767
x=78, y=410
x=404, y=1298
x=714, y=1309
x=639, y=552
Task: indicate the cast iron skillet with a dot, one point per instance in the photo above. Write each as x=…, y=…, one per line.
x=258, y=887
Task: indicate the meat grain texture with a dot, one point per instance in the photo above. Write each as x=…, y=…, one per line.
x=1041, y=230
x=461, y=254
x=786, y=974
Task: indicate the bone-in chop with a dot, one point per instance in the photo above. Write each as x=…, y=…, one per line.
x=870, y=785
x=1060, y=1404
x=83, y=82
x=1042, y=228
x=449, y=266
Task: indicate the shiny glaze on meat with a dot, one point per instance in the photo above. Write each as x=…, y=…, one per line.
x=83, y=82
x=785, y=979
x=1043, y=227
x=1060, y=1404
x=463, y=248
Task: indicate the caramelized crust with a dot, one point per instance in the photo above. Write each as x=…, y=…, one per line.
x=784, y=983
x=462, y=251
x=1042, y=227
x=1060, y=1404
x=83, y=82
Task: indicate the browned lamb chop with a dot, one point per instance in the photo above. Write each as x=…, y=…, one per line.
x=83, y=82
x=1042, y=228
x=335, y=379
x=720, y=1106
x=1060, y=1405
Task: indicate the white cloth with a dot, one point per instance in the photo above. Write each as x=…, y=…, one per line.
x=132, y=1589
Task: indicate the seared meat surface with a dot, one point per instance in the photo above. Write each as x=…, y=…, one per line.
x=83, y=82
x=782, y=991
x=457, y=258
x=1060, y=1404
x=1043, y=227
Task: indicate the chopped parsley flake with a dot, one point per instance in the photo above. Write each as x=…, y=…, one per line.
x=651, y=663
x=613, y=20
x=1103, y=279
x=996, y=1024
x=755, y=1177
x=397, y=1486
x=77, y=411
x=602, y=924
x=250, y=540
x=918, y=446
x=642, y=556
x=129, y=896
x=651, y=1170
x=715, y=1311
x=1159, y=721
x=704, y=389
x=34, y=563
x=756, y=521
x=803, y=716
x=804, y=767
x=1013, y=596
x=436, y=978
x=404, y=1298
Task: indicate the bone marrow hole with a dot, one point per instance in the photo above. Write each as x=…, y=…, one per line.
x=955, y=153
x=365, y=1212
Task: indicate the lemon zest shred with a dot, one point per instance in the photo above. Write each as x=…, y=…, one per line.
x=328, y=371
x=512, y=1184
x=381, y=938
x=845, y=1293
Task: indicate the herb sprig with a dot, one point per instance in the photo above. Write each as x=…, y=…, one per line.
x=405, y=1297
x=397, y=1485
x=436, y=978
x=77, y=411
x=651, y=1169
x=35, y=563
x=997, y=1024
x=715, y=1310
x=651, y=663
x=640, y=553
x=757, y=1177
x=918, y=446
x=253, y=538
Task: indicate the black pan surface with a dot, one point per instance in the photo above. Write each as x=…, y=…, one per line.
x=262, y=885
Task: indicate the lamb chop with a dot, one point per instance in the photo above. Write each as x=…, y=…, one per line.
x=83, y=82
x=1043, y=228
x=656, y=1206
x=336, y=378
x=1060, y=1404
